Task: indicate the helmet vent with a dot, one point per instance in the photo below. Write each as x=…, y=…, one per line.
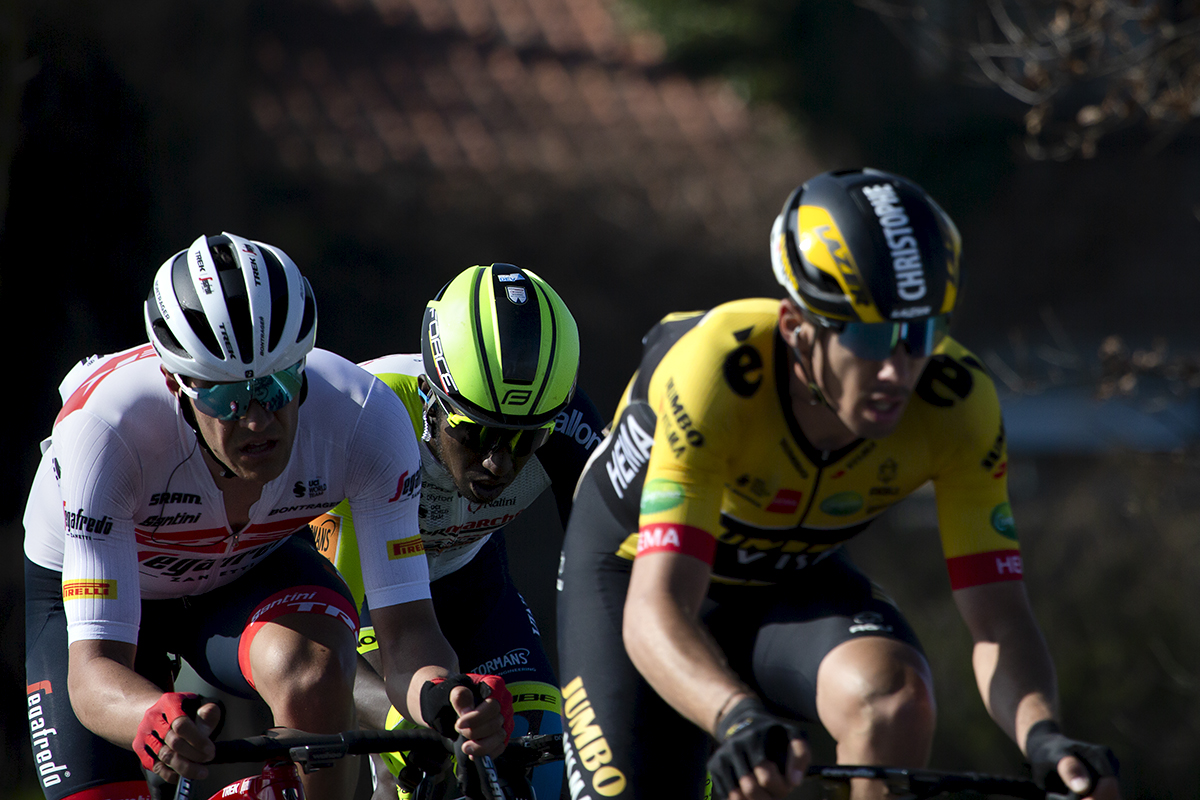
x=518, y=324
x=189, y=301
x=233, y=287
x=310, y=312
x=277, y=282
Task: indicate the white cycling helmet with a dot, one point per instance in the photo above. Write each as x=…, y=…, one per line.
x=230, y=309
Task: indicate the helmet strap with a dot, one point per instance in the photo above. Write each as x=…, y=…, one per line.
x=810, y=379
x=189, y=416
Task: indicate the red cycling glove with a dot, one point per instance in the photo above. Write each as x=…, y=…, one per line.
x=439, y=713
x=152, y=732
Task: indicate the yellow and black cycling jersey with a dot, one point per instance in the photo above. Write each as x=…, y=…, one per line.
x=706, y=457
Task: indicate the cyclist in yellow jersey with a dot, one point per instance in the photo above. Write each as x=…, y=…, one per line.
x=702, y=590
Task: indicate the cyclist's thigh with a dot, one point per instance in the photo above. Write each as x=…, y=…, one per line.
x=215, y=634
x=803, y=624
x=622, y=739
x=68, y=757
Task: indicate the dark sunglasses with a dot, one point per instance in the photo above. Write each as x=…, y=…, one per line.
x=875, y=341
x=484, y=438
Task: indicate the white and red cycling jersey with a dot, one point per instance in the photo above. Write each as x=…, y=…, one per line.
x=125, y=507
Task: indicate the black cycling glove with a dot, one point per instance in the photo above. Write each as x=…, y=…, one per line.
x=436, y=707
x=1046, y=746
x=748, y=736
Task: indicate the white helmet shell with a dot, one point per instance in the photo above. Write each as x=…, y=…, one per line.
x=230, y=309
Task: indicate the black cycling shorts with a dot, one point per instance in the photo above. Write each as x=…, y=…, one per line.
x=206, y=630
x=623, y=739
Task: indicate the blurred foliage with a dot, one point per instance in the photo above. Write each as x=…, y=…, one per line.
x=851, y=85
x=1112, y=565
x=1086, y=68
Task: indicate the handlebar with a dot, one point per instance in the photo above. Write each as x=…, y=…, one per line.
x=922, y=783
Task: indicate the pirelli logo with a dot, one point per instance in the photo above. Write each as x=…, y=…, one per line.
x=405, y=548
x=89, y=590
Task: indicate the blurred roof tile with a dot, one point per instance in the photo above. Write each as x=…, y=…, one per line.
x=500, y=88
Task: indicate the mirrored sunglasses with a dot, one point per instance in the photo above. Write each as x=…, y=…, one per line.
x=875, y=341
x=483, y=439
x=231, y=401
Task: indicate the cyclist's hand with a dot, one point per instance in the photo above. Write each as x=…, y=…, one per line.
x=1061, y=764
x=759, y=755
x=479, y=707
x=171, y=743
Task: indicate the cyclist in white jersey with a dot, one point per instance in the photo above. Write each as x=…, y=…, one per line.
x=159, y=525
x=494, y=400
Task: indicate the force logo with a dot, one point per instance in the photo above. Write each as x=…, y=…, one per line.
x=99, y=589
x=405, y=548
x=586, y=747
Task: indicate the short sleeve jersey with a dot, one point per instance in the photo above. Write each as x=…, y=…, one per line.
x=125, y=507
x=728, y=476
x=453, y=529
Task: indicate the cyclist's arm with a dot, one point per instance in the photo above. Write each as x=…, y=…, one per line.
x=667, y=643
x=1012, y=664
x=1014, y=670
x=111, y=699
x=412, y=651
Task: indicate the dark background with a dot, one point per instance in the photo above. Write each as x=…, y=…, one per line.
x=636, y=162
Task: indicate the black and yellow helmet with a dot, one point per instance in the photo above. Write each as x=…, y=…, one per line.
x=866, y=246
x=500, y=347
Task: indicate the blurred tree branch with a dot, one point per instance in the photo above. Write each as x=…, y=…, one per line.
x=1086, y=68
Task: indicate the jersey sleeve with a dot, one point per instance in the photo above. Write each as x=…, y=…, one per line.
x=979, y=538
x=383, y=492
x=98, y=477
x=696, y=422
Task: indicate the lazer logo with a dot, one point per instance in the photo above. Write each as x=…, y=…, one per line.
x=439, y=356
x=898, y=233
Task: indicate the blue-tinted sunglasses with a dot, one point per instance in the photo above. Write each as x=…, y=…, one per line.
x=875, y=341
x=230, y=401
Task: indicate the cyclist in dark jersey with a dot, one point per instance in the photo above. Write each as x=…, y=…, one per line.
x=702, y=591
x=494, y=404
